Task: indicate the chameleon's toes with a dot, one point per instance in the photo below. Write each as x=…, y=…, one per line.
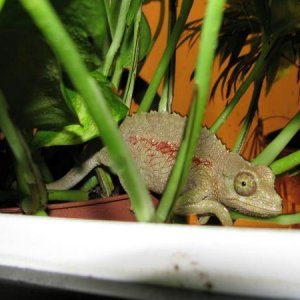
x=202, y=220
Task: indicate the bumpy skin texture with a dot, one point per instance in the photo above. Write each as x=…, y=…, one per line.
x=218, y=179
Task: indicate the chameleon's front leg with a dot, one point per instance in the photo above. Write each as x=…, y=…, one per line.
x=192, y=203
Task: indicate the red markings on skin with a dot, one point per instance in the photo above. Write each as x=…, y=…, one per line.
x=166, y=148
x=197, y=161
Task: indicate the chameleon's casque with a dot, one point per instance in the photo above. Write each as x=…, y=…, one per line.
x=218, y=179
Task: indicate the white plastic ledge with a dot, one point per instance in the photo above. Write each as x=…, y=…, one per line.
x=255, y=262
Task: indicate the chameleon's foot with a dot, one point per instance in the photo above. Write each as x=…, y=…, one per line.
x=187, y=204
x=202, y=220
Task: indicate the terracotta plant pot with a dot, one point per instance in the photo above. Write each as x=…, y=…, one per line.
x=116, y=208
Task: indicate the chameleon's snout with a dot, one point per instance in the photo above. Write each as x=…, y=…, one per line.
x=252, y=192
x=276, y=204
x=265, y=205
x=274, y=207
x=271, y=201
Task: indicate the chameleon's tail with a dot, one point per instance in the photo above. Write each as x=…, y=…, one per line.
x=75, y=175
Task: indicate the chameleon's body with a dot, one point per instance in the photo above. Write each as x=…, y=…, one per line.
x=217, y=179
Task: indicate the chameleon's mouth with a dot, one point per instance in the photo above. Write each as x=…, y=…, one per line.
x=254, y=210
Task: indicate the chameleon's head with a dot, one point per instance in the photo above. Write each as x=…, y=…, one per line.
x=251, y=191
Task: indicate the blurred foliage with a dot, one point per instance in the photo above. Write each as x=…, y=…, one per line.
x=32, y=77
x=86, y=129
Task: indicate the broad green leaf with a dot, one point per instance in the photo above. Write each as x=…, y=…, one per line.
x=30, y=81
x=27, y=63
x=86, y=22
x=86, y=129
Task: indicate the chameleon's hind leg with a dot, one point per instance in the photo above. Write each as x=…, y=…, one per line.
x=192, y=202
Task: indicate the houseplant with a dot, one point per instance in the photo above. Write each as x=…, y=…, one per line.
x=200, y=241
x=131, y=24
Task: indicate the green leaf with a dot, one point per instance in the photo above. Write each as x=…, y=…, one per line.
x=118, y=108
x=134, y=6
x=86, y=22
x=86, y=129
x=31, y=189
x=112, y=8
x=27, y=62
x=272, y=70
x=30, y=80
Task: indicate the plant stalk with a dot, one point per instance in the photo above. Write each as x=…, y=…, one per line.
x=257, y=71
x=110, y=21
x=288, y=219
x=89, y=184
x=30, y=182
x=166, y=57
x=249, y=117
x=286, y=163
x=127, y=98
x=267, y=156
x=68, y=196
x=2, y=2
x=117, y=38
x=209, y=38
x=165, y=103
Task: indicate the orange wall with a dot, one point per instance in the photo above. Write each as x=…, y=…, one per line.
x=276, y=108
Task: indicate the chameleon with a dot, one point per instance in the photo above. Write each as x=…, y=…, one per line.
x=218, y=180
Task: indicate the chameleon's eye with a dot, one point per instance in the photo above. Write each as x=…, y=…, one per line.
x=244, y=184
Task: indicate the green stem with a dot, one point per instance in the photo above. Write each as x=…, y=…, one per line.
x=249, y=117
x=110, y=16
x=267, y=156
x=160, y=23
x=40, y=161
x=47, y=21
x=172, y=188
x=127, y=98
x=209, y=38
x=12, y=133
x=157, y=30
x=166, y=57
x=286, y=163
x=2, y=2
x=288, y=219
x=165, y=103
x=89, y=184
x=118, y=70
x=68, y=195
x=30, y=183
x=257, y=71
x=41, y=213
x=117, y=39
x=105, y=182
